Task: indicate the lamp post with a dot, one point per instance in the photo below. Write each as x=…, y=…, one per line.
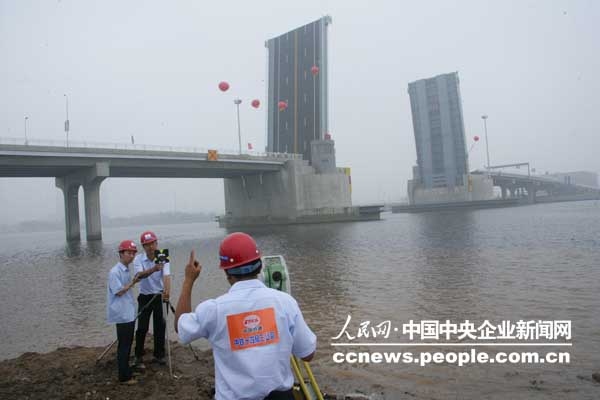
x=237, y=102
x=67, y=120
x=25, y=122
x=487, y=149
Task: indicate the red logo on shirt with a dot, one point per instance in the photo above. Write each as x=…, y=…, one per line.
x=251, y=321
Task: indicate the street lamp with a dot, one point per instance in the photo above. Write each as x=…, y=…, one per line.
x=237, y=102
x=26, y=141
x=487, y=149
x=67, y=120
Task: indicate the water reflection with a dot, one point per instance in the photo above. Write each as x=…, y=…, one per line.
x=84, y=281
x=449, y=272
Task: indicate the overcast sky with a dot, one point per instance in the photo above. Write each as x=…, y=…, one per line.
x=151, y=69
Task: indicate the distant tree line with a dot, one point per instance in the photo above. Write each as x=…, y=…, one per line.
x=164, y=218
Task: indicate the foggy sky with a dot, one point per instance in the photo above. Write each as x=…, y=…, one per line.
x=151, y=69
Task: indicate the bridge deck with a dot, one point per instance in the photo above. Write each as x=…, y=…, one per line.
x=54, y=161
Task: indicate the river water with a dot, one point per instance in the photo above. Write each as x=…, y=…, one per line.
x=527, y=263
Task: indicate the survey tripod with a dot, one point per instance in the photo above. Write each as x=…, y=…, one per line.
x=107, y=349
x=169, y=306
x=275, y=275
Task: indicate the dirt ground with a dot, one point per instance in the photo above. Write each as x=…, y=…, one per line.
x=73, y=373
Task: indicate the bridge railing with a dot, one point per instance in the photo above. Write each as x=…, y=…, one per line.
x=58, y=144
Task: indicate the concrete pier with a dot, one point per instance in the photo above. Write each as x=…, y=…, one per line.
x=93, y=221
x=289, y=196
x=298, y=193
x=70, y=191
x=90, y=178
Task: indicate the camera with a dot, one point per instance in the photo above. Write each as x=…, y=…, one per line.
x=161, y=256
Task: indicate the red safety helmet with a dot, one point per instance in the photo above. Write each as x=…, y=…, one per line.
x=127, y=245
x=148, y=237
x=238, y=249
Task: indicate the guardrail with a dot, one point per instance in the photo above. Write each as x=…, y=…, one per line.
x=141, y=147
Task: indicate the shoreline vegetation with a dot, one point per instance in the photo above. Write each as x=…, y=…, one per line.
x=164, y=218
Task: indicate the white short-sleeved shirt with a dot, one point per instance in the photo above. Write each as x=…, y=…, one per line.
x=253, y=331
x=119, y=309
x=153, y=284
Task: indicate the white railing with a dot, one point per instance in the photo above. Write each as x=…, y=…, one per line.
x=140, y=147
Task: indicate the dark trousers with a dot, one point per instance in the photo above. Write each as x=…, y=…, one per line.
x=124, y=339
x=158, y=323
x=280, y=395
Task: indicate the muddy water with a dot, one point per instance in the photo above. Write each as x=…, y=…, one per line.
x=531, y=263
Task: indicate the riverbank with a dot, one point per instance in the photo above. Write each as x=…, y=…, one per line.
x=74, y=373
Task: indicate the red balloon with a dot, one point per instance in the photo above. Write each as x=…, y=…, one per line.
x=314, y=70
x=282, y=105
x=476, y=138
x=224, y=86
x=255, y=103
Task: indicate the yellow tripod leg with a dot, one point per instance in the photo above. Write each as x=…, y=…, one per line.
x=313, y=381
x=300, y=378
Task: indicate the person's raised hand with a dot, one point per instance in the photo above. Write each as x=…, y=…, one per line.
x=193, y=267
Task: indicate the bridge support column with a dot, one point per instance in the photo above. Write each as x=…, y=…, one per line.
x=531, y=193
x=90, y=178
x=93, y=220
x=503, y=190
x=70, y=191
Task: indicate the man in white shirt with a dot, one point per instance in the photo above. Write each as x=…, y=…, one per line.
x=253, y=329
x=120, y=307
x=155, y=285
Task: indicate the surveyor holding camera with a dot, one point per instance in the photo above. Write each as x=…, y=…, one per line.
x=120, y=307
x=155, y=285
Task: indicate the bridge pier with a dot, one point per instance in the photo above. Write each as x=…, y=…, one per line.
x=531, y=193
x=289, y=196
x=70, y=191
x=298, y=193
x=503, y=190
x=93, y=220
x=90, y=178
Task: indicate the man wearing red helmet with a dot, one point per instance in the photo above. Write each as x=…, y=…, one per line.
x=155, y=283
x=253, y=329
x=120, y=307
